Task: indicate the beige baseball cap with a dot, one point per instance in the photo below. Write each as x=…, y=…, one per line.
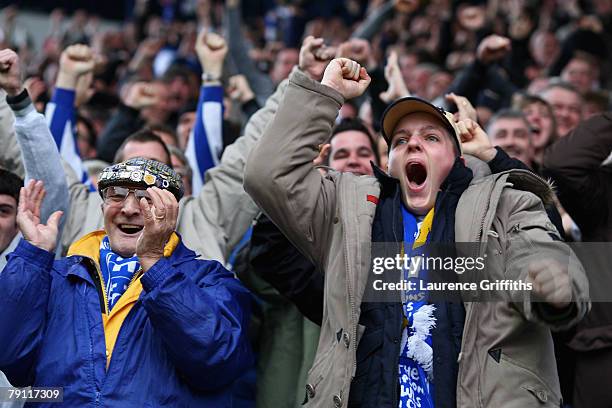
x=410, y=104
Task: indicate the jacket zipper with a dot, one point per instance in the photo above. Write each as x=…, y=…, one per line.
x=99, y=284
x=351, y=297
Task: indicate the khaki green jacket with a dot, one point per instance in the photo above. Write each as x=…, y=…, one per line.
x=330, y=220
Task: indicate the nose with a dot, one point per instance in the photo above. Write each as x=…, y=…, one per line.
x=352, y=160
x=131, y=206
x=414, y=145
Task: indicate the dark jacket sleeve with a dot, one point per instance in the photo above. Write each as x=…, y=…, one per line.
x=279, y=263
x=574, y=163
x=485, y=81
x=469, y=81
x=24, y=292
x=249, y=108
x=201, y=313
x=123, y=123
x=502, y=162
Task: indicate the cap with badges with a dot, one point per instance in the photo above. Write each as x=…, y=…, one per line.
x=141, y=173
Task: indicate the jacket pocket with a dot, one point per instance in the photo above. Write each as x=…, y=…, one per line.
x=509, y=384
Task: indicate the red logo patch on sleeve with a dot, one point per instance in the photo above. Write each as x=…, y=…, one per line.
x=372, y=198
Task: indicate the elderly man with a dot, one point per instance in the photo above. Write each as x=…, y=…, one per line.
x=413, y=353
x=130, y=317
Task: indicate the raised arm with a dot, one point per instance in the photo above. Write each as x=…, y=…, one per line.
x=76, y=64
x=10, y=155
x=280, y=176
x=206, y=139
x=223, y=202
x=239, y=52
x=40, y=155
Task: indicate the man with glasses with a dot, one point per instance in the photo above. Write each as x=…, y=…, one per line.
x=130, y=316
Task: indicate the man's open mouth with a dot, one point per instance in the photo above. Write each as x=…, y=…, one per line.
x=535, y=130
x=130, y=228
x=416, y=173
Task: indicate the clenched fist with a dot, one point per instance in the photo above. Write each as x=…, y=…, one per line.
x=211, y=49
x=76, y=60
x=10, y=72
x=551, y=283
x=141, y=95
x=347, y=77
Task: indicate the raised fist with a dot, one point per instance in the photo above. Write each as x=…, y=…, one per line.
x=314, y=57
x=140, y=95
x=239, y=89
x=347, y=77
x=75, y=61
x=492, y=48
x=551, y=282
x=10, y=72
x=211, y=49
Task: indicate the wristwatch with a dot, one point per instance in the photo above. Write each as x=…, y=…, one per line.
x=208, y=77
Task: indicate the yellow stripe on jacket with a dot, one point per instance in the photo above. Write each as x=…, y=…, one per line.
x=89, y=246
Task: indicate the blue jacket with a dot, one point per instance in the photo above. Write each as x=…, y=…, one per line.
x=182, y=343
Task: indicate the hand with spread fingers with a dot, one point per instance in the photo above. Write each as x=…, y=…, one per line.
x=314, y=57
x=28, y=217
x=551, y=283
x=474, y=140
x=397, y=87
x=160, y=217
x=10, y=72
x=347, y=77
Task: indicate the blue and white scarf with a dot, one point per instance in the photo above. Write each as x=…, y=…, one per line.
x=416, y=352
x=117, y=272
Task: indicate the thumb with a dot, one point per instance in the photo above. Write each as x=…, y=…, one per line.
x=384, y=96
x=54, y=219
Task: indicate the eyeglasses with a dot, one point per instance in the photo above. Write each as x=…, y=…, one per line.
x=117, y=195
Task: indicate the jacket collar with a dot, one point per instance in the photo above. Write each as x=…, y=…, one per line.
x=87, y=251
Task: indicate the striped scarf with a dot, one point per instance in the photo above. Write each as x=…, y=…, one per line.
x=117, y=272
